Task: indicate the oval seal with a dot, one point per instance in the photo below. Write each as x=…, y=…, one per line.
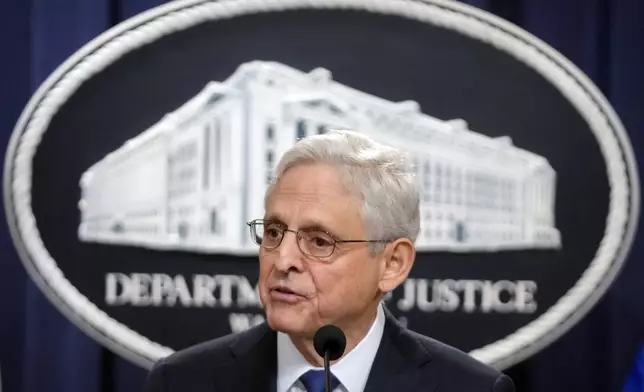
x=134, y=168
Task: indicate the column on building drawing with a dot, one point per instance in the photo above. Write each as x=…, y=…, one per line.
x=530, y=203
x=220, y=175
x=200, y=171
x=184, y=179
x=448, y=218
x=263, y=127
x=440, y=171
x=538, y=214
x=431, y=206
x=541, y=196
x=422, y=167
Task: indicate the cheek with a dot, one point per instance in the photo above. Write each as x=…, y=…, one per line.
x=345, y=286
x=265, y=267
x=325, y=282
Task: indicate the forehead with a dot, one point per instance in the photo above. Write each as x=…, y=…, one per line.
x=312, y=193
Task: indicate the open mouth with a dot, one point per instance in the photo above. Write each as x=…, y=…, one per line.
x=284, y=290
x=286, y=295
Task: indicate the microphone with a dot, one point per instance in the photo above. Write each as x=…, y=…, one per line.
x=329, y=342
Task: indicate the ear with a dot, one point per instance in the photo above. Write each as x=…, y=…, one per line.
x=399, y=257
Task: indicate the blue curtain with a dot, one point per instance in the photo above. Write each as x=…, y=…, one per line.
x=41, y=351
x=635, y=381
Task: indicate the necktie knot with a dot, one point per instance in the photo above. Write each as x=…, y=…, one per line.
x=313, y=381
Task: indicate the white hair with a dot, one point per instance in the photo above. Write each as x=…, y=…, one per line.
x=377, y=174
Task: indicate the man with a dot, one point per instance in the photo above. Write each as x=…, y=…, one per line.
x=338, y=234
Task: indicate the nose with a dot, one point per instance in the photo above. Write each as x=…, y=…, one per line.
x=289, y=254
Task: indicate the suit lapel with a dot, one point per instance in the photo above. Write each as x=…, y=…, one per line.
x=401, y=361
x=253, y=363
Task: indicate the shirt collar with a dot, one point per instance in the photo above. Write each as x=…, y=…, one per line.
x=352, y=370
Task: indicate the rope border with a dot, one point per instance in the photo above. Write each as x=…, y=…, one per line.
x=467, y=20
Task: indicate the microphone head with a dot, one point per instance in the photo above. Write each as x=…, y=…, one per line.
x=330, y=338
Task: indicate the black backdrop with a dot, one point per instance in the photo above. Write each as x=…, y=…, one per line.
x=40, y=350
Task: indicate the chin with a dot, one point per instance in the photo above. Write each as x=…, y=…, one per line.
x=288, y=321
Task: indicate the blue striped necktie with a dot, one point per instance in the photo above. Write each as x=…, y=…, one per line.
x=313, y=380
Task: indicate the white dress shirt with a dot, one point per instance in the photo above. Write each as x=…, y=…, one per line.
x=352, y=370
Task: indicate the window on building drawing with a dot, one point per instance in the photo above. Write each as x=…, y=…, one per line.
x=270, y=132
x=206, y=157
x=213, y=221
x=301, y=129
x=427, y=175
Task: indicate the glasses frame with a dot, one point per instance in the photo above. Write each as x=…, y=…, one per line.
x=336, y=241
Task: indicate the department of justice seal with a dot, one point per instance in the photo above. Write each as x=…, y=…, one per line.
x=134, y=168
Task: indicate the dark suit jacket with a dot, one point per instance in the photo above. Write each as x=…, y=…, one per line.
x=247, y=361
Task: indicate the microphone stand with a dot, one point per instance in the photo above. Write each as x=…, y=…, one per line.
x=327, y=373
x=329, y=343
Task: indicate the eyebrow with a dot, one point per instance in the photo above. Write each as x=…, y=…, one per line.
x=273, y=218
x=309, y=225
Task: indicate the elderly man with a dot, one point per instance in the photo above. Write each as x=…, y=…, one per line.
x=338, y=234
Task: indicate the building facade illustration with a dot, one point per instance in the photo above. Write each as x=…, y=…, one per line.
x=192, y=180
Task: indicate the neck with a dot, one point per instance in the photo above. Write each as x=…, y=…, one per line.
x=354, y=330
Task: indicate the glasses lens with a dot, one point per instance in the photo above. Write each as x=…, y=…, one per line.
x=256, y=231
x=268, y=235
x=316, y=243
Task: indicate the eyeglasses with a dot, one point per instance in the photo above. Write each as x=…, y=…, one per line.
x=313, y=242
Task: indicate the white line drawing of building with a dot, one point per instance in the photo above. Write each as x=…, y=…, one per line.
x=192, y=180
